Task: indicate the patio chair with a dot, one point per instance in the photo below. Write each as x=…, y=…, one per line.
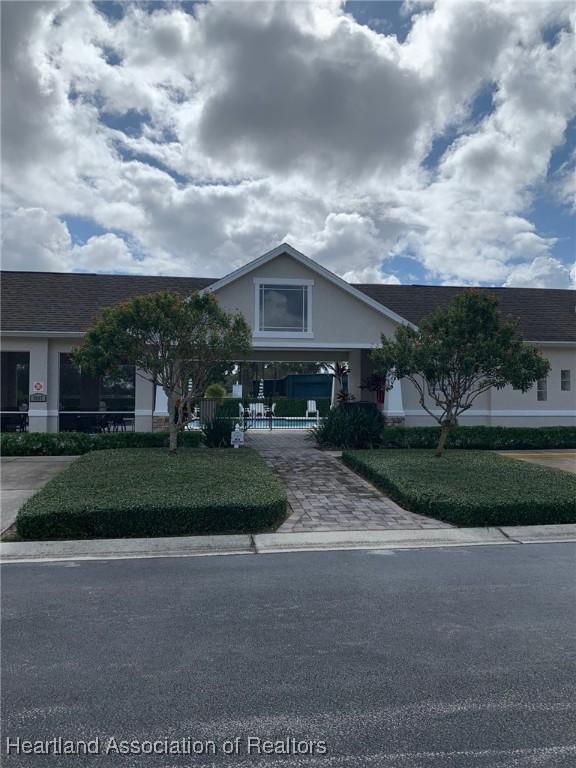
x=311, y=408
x=270, y=411
x=257, y=410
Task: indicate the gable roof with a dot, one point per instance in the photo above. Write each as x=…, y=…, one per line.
x=287, y=249
x=46, y=303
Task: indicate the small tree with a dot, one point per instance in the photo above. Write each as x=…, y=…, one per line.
x=458, y=353
x=175, y=342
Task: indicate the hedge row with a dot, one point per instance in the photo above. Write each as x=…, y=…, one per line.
x=481, y=438
x=347, y=429
x=137, y=492
x=470, y=488
x=76, y=443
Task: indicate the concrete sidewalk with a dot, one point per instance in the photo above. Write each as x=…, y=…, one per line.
x=269, y=543
x=22, y=477
x=564, y=459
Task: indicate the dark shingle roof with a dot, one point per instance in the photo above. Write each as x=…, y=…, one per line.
x=545, y=314
x=53, y=301
x=50, y=301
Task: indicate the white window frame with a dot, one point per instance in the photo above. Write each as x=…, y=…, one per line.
x=565, y=379
x=542, y=390
x=260, y=281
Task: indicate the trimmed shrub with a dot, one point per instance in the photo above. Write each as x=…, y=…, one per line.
x=470, y=488
x=229, y=407
x=215, y=391
x=148, y=492
x=217, y=433
x=349, y=428
x=481, y=438
x=76, y=443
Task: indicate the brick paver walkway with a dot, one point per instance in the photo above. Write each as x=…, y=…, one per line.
x=323, y=494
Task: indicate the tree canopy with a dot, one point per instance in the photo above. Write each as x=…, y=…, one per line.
x=458, y=353
x=174, y=341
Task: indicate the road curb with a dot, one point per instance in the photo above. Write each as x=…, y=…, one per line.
x=385, y=539
x=111, y=549
x=272, y=543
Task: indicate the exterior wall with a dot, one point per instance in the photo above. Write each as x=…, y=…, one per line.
x=511, y=408
x=337, y=317
x=45, y=366
x=38, y=349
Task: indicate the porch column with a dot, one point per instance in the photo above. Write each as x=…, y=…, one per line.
x=160, y=416
x=355, y=375
x=144, y=403
x=394, y=405
x=38, y=412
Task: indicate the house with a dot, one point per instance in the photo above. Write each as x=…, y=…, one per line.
x=298, y=310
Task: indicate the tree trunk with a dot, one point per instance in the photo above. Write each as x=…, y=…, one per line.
x=443, y=437
x=172, y=426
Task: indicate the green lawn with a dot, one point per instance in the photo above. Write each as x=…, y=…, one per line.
x=146, y=492
x=470, y=488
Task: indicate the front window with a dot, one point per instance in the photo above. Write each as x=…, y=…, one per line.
x=15, y=370
x=565, y=384
x=283, y=308
x=81, y=392
x=542, y=390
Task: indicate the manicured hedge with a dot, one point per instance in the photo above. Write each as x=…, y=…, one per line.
x=349, y=428
x=343, y=429
x=76, y=443
x=470, y=488
x=147, y=492
x=478, y=438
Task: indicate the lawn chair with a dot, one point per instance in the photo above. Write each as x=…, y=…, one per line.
x=270, y=411
x=257, y=410
x=312, y=409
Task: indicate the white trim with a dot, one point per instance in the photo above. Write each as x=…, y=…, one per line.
x=281, y=281
x=552, y=343
x=287, y=249
x=283, y=334
x=45, y=334
x=344, y=346
x=484, y=412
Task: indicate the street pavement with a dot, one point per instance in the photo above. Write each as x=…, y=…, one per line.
x=438, y=658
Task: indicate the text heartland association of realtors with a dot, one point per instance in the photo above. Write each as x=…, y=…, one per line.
x=249, y=745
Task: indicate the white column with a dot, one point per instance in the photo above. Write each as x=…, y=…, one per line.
x=144, y=404
x=38, y=412
x=394, y=406
x=161, y=404
x=355, y=375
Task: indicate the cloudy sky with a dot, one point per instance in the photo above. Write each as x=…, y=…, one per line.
x=411, y=142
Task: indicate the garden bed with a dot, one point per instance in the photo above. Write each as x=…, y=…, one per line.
x=147, y=492
x=470, y=488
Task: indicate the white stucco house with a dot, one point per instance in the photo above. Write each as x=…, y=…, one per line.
x=298, y=311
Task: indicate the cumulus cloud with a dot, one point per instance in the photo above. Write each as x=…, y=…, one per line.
x=542, y=272
x=211, y=136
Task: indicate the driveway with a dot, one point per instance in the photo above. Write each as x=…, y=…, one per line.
x=557, y=459
x=323, y=494
x=21, y=477
x=445, y=658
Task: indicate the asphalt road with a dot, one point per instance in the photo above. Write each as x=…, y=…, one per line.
x=453, y=658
